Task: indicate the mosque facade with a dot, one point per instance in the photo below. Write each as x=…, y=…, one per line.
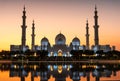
x=60, y=45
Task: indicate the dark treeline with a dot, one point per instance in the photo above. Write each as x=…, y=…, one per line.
x=42, y=55
x=90, y=54
x=27, y=55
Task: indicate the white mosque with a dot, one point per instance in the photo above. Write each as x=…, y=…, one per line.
x=60, y=45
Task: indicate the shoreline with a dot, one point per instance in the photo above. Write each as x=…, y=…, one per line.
x=82, y=61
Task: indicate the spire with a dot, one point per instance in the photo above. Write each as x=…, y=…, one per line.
x=33, y=24
x=23, y=39
x=87, y=35
x=95, y=10
x=24, y=16
x=24, y=7
x=96, y=26
x=33, y=21
x=87, y=23
x=24, y=12
x=33, y=37
x=95, y=7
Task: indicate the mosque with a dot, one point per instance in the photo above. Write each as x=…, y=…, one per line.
x=60, y=46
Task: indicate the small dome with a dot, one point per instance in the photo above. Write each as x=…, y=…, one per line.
x=60, y=39
x=76, y=40
x=44, y=39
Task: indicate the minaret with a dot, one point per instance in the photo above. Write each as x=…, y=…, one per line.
x=96, y=26
x=23, y=40
x=33, y=36
x=87, y=36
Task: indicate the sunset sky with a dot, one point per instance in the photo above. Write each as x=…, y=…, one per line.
x=53, y=16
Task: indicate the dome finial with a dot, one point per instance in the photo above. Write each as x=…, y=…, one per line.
x=60, y=31
x=33, y=20
x=44, y=37
x=95, y=7
x=24, y=8
x=75, y=36
x=87, y=20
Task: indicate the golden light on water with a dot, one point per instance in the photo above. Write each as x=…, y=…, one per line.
x=60, y=68
x=51, y=68
x=35, y=67
x=68, y=68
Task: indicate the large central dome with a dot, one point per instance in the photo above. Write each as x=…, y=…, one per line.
x=60, y=39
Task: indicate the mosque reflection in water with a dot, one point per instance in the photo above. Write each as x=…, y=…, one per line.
x=60, y=71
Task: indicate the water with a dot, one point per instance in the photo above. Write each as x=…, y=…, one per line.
x=44, y=71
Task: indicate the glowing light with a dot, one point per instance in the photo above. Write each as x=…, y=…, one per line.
x=60, y=69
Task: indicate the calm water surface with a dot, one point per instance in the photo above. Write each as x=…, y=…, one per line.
x=59, y=72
